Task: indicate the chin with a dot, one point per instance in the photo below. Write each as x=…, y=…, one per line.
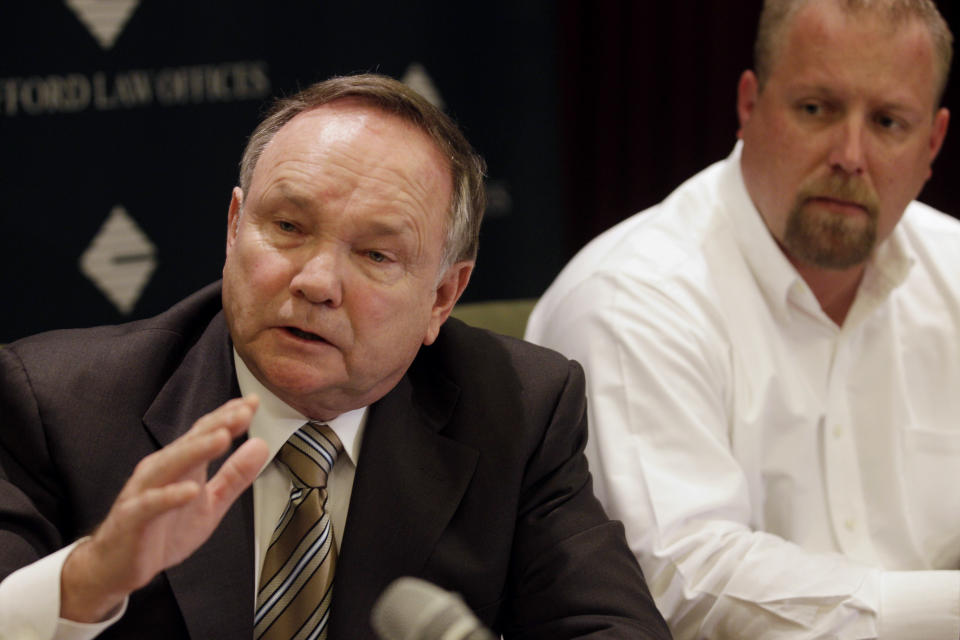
x=286, y=376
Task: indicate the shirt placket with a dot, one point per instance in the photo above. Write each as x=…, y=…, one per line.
x=842, y=480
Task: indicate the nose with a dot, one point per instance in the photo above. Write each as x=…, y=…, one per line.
x=319, y=280
x=847, y=154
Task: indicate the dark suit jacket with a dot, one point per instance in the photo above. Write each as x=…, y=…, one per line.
x=471, y=476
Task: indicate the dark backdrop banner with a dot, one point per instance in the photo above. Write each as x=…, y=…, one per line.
x=122, y=124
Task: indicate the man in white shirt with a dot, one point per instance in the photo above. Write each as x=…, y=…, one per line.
x=773, y=352
x=457, y=455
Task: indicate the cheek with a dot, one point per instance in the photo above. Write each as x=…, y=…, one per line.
x=260, y=267
x=391, y=317
x=253, y=278
x=898, y=181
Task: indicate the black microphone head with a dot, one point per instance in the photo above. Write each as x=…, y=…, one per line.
x=414, y=609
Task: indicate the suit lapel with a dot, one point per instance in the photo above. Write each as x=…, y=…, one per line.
x=214, y=586
x=409, y=482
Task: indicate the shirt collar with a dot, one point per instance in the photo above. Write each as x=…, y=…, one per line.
x=275, y=421
x=777, y=278
x=888, y=267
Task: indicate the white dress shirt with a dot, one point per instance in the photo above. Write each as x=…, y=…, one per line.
x=779, y=476
x=30, y=597
x=275, y=422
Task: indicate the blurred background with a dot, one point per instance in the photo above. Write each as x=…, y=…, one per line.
x=122, y=123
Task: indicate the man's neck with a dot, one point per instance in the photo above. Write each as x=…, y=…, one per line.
x=835, y=290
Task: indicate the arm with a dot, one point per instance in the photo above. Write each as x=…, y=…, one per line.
x=166, y=510
x=660, y=384
x=573, y=574
x=169, y=490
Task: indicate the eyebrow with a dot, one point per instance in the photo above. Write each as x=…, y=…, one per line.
x=387, y=227
x=824, y=91
x=284, y=192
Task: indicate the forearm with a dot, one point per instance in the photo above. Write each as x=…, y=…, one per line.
x=83, y=595
x=30, y=604
x=719, y=580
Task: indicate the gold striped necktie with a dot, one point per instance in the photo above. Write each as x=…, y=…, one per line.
x=296, y=581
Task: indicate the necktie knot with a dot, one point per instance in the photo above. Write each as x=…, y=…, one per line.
x=309, y=454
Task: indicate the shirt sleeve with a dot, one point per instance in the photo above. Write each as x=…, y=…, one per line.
x=30, y=604
x=659, y=388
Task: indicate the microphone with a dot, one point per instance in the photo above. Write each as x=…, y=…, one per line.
x=414, y=609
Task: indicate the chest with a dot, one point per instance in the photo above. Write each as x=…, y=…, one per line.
x=851, y=438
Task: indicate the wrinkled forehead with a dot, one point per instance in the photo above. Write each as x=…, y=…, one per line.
x=367, y=140
x=371, y=156
x=347, y=125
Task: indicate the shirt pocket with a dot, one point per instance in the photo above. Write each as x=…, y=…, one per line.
x=931, y=475
x=936, y=442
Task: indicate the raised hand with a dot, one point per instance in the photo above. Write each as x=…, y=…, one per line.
x=165, y=511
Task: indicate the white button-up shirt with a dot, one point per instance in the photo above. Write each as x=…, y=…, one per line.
x=779, y=476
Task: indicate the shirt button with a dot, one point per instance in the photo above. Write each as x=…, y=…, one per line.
x=850, y=524
x=837, y=431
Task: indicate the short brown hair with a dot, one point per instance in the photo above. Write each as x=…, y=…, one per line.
x=776, y=16
x=467, y=168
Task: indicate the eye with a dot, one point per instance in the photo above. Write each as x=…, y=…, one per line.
x=376, y=256
x=286, y=227
x=811, y=108
x=888, y=122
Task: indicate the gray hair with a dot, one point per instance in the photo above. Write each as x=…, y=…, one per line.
x=776, y=16
x=467, y=168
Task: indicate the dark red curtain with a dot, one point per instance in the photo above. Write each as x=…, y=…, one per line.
x=648, y=94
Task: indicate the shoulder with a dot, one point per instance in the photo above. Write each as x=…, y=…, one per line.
x=500, y=396
x=500, y=377
x=932, y=240
x=56, y=361
x=467, y=354
x=920, y=218
x=659, y=256
x=932, y=236
x=182, y=320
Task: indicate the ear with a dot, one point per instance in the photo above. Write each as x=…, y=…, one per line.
x=233, y=216
x=449, y=290
x=747, y=90
x=940, y=123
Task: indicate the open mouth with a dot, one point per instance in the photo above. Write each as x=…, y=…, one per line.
x=305, y=335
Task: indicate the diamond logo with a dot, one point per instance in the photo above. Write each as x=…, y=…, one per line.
x=417, y=78
x=104, y=19
x=120, y=260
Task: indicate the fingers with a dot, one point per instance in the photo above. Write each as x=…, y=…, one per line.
x=184, y=457
x=208, y=439
x=234, y=415
x=165, y=511
x=236, y=474
x=152, y=503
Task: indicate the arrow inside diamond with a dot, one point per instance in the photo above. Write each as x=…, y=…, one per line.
x=104, y=19
x=120, y=260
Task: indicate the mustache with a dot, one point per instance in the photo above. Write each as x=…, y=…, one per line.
x=838, y=187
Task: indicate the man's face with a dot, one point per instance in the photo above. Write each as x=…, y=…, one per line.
x=333, y=279
x=843, y=134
